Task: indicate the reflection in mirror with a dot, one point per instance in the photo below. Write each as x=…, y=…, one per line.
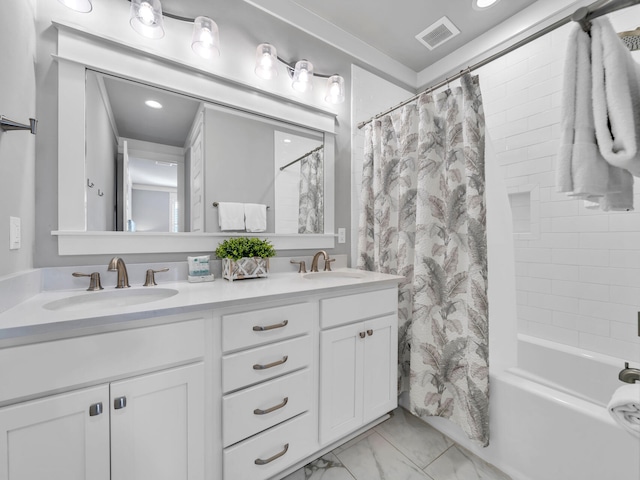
x=299, y=183
x=162, y=159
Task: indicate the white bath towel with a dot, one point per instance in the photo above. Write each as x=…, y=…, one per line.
x=255, y=217
x=616, y=97
x=624, y=407
x=580, y=169
x=231, y=216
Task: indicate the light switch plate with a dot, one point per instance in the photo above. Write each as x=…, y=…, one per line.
x=342, y=235
x=14, y=233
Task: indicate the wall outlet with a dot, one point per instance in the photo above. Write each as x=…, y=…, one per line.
x=14, y=233
x=342, y=235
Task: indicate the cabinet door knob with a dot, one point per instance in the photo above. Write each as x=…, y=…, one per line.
x=259, y=461
x=95, y=409
x=369, y=332
x=271, y=365
x=119, y=403
x=257, y=411
x=271, y=327
x=362, y=334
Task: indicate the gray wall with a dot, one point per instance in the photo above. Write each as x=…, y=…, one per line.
x=150, y=210
x=17, y=149
x=242, y=28
x=102, y=152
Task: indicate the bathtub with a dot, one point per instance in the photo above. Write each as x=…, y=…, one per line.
x=549, y=419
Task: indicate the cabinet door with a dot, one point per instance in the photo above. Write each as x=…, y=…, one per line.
x=157, y=426
x=380, y=367
x=57, y=438
x=341, y=386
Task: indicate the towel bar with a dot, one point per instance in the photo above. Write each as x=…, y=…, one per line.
x=215, y=204
x=6, y=125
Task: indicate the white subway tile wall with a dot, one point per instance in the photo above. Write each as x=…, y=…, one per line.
x=578, y=281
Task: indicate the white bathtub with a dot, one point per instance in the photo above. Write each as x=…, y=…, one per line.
x=549, y=421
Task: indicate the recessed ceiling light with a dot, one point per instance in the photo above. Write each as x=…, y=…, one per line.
x=482, y=4
x=287, y=140
x=153, y=104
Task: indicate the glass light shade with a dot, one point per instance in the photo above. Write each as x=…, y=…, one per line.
x=303, y=76
x=335, y=89
x=266, y=61
x=206, y=38
x=82, y=6
x=146, y=18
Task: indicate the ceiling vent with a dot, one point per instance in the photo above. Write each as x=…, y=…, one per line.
x=438, y=33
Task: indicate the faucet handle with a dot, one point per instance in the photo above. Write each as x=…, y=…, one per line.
x=327, y=264
x=150, y=279
x=94, y=284
x=303, y=266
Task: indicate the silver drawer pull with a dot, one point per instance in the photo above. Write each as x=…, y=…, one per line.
x=259, y=461
x=120, y=403
x=257, y=411
x=362, y=334
x=271, y=327
x=369, y=332
x=271, y=365
x=95, y=409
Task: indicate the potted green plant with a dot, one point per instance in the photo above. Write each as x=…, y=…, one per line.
x=245, y=257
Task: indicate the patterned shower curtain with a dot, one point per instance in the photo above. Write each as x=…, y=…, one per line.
x=423, y=216
x=311, y=211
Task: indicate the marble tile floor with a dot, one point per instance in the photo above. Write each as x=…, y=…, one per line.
x=401, y=448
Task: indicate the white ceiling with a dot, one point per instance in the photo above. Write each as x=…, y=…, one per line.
x=391, y=26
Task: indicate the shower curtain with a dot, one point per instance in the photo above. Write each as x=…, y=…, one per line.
x=311, y=210
x=423, y=216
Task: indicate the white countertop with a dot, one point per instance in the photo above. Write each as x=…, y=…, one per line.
x=30, y=322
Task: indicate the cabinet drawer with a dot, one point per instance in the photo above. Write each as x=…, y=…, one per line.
x=255, y=409
x=246, y=329
x=57, y=365
x=296, y=438
x=263, y=363
x=360, y=306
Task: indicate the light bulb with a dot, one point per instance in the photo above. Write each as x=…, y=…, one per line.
x=145, y=14
x=266, y=58
x=302, y=76
x=82, y=6
x=146, y=18
x=335, y=89
x=206, y=39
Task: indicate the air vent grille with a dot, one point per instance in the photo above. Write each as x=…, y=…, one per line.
x=438, y=33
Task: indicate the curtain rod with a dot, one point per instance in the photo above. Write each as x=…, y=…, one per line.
x=583, y=16
x=306, y=155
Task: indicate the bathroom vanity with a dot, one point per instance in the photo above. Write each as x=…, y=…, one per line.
x=242, y=380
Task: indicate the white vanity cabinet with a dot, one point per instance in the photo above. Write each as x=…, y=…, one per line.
x=358, y=361
x=142, y=419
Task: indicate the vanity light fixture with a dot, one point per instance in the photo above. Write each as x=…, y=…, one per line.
x=206, y=38
x=335, y=89
x=302, y=76
x=146, y=18
x=301, y=73
x=266, y=60
x=82, y=6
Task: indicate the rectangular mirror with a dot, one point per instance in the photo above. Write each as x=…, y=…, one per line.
x=143, y=174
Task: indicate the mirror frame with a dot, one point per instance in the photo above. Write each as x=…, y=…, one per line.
x=79, y=50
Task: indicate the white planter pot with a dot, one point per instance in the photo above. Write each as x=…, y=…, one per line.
x=254, y=267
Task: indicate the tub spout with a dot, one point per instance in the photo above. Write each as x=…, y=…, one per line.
x=629, y=375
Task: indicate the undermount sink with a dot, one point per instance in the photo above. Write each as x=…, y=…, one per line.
x=334, y=274
x=110, y=299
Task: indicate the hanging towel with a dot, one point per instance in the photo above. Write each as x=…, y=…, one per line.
x=616, y=98
x=580, y=169
x=624, y=407
x=255, y=217
x=231, y=216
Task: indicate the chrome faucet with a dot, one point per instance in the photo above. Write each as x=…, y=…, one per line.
x=117, y=265
x=327, y=261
